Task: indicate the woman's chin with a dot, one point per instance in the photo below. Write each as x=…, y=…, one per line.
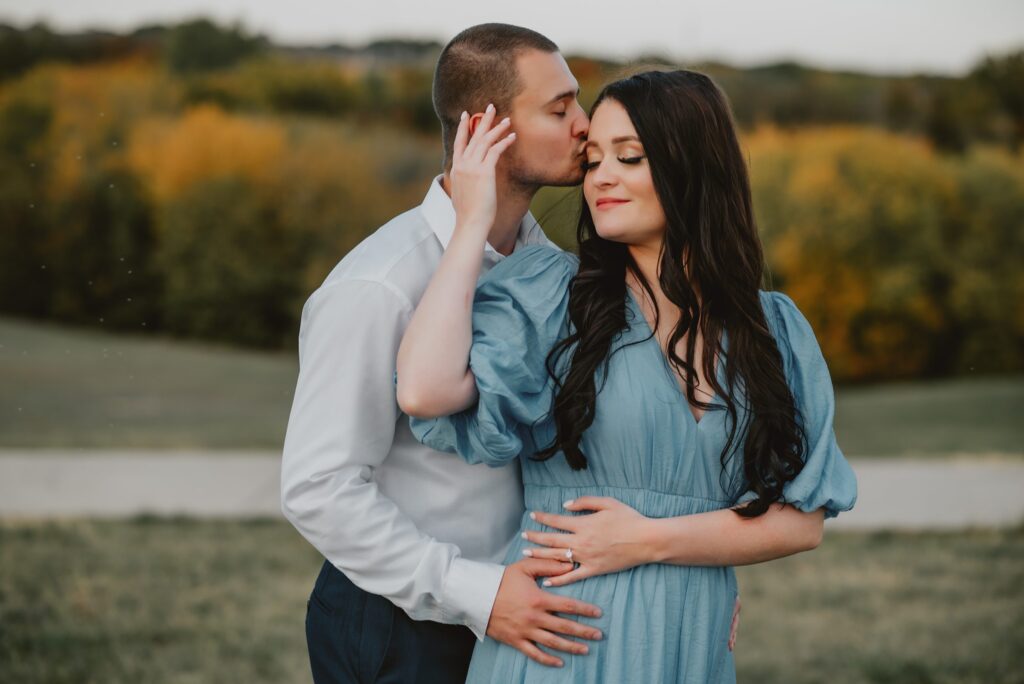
x=614, y=233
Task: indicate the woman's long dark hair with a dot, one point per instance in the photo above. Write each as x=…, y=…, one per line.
x=700, y=176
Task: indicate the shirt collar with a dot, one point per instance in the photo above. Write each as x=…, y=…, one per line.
x=440, y=214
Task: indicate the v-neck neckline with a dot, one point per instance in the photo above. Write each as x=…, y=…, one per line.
x=671, y=374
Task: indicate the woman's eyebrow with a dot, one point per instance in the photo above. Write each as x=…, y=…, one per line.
x=616, y=141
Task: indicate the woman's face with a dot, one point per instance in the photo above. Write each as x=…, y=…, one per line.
x=618, y=185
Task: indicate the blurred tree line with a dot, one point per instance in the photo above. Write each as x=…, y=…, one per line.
x=199, y=181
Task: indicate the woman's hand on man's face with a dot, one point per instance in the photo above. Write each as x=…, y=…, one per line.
x=475, y=157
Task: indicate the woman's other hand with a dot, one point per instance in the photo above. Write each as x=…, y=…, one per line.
x=611, y=539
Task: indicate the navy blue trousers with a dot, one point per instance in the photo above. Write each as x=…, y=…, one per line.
x=355, y=637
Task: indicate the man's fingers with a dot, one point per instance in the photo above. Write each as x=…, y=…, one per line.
x=553, y=641
x=562, y=604
x=561, y=625
x=540, y=656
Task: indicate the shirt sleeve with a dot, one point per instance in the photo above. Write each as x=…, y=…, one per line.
x=826, y=480
x=341, y=428
x=520, y=310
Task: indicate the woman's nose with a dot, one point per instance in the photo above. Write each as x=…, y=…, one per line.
x=601, y=177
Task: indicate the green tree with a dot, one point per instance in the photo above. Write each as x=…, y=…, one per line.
x=201, y=45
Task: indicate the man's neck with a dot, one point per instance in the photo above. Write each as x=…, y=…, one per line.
x=513, y=203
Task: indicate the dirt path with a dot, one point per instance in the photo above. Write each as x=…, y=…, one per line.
x=893, y=493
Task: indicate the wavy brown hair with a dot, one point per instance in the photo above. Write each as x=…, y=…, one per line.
x=700, y=177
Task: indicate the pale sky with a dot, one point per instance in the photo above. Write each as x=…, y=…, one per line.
x=882, y=36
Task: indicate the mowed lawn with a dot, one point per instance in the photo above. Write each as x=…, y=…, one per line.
x=164, y=600
x=65, y=387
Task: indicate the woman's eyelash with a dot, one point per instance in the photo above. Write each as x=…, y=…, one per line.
x=627, y=160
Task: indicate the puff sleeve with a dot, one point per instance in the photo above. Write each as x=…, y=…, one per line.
x=520, y=310
x=826, y=480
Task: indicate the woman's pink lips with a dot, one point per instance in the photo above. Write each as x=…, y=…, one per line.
x=609, y=203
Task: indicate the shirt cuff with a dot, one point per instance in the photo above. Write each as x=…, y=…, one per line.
x=469, y=593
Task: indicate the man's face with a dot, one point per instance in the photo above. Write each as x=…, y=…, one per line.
x=550, y=125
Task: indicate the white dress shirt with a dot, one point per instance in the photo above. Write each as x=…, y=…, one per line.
x=420, y=527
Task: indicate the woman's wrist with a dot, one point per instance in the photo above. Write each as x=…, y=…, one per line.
x=472, y=227
x=654, y=536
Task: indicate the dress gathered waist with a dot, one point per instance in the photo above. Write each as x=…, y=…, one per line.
x=648, y=502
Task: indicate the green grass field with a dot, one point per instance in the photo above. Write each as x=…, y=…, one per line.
x=62, y=387
x=158, y=600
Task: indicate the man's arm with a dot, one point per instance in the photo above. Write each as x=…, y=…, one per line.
x=341, y=427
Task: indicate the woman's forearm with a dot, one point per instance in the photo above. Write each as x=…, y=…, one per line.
x=724, y=538
x=433, y=358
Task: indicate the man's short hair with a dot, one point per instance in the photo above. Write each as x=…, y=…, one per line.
x=477, y=68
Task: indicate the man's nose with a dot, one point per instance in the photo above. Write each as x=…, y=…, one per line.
x=582, y=123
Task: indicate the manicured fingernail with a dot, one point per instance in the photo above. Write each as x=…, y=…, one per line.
x=584, y=650
x=511, y=135
x=547, y=583
x=490, y=108
x=525, y=536
x=528, y=552
x=505, y=120
x=464, y=115
x=598, y=636
x=597, y=612
x=533, y=516
x=568, y=503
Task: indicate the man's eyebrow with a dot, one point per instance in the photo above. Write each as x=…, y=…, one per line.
x=616, y=141
x=562, y=96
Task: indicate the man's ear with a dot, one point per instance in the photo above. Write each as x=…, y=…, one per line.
x=473, y=121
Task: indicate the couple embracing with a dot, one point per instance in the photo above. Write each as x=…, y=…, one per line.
x=526, y=465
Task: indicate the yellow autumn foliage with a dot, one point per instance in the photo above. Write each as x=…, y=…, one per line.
x=172, y=154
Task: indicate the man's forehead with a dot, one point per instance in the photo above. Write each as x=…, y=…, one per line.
x=544, y=77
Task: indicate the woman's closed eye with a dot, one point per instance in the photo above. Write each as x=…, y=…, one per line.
x=587, y=166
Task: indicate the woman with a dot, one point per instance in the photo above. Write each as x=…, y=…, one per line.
x=649, y=380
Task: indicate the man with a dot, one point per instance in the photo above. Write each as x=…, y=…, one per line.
x=402, y=526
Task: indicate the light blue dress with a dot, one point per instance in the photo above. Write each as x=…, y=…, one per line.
x=661, y=622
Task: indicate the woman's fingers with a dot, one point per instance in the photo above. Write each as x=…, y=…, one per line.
x=482, y=127
x=461, y=136
x=484, y=138
x=570, y=523
x=553, y=554
x=497, y=148
x=492, y=135
x=549, y=539
x=591, y=503
x=568, y=578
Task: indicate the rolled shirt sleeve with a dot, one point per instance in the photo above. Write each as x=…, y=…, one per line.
x=341, y=428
